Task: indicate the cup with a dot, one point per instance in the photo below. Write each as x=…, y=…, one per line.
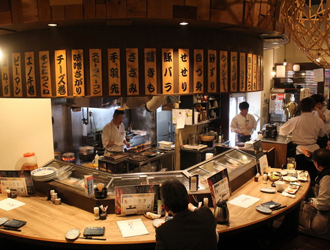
x=279, y=185
x=290, y=163
x=208, y=156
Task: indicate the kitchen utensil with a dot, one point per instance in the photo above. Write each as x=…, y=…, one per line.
x=86, y=150
x=193, y=139
x=221, y=212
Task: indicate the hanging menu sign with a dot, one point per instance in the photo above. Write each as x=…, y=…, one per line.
x=242, y=71
x=249, y=72
x=150, y=71
x=184, y=71
x=30, y=76
x=223, y=71
x=95, y=72
x=114, y=72
x=212, y=71
x=254, y=73
x=78, y=78
x=167, y=71
x=233, y=71
x=198, y=71
x=45, y=76
x=132, y=71
x=5, y=76
x=17, y=74
x=60, y=73
x=259, y=74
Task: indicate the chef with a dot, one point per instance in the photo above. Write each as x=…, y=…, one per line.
x=243, y=124
x=113, y=134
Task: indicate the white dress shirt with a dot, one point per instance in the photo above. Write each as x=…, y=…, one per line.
x=326, y=113
x=305, y=130
x=244, y=124
x=113, y=133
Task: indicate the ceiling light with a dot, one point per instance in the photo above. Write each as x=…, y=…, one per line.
x=52, y=24
x=273, y=72
x=275, y=43
x=183, y=23
x=0, y=54
x=263, y=34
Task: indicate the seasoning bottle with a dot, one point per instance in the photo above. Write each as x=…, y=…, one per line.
x=30, y=162
x=96, y=159
x=265, y=177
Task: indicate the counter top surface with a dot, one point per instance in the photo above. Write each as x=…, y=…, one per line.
x=279, y=139
x=47, y=223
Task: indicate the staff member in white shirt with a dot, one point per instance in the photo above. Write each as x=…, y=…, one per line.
x=243, y=124
x=305, y=130
x=113, y=134
x=321, y=111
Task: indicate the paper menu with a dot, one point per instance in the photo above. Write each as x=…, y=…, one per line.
x=244, y=201
x=9, y=204
x=129, y=228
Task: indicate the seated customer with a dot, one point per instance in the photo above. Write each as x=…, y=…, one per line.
x=190, y=228
x=319, y=225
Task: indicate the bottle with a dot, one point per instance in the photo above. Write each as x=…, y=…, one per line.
x=96, y=159
x=30, y=162
x=220, y=135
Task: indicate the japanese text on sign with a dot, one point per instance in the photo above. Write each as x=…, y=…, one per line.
x=242, y=71
x=150, y=71
x=78, y=78
x=132, y=71
x=167, y=71
x=223, y=71
x=17, y=75
x=60, y=73
x=114, y=72
x=30, y=74
x=212, y=71
x=198, y=71
x=233, y=71
x=184, y=71
x=95, y=67
x=45, y=74
x=5, y=76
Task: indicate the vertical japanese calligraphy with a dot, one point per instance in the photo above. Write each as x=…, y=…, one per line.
x=95, y=71
x=212, y=71
x=223, y=71
x=198, y=71
x=254, y=73
x=30, y=77
x=242, y=71
x=150, y=71
x=114, y=72
x=78, y=79
x=61, y=73
x=233, y=71
x=249, y=72
x=5, y=76
x=184, y=86
x=167, y=71
x=17, y=74
x=259, y=74
x=132, y=71
x=45, y=74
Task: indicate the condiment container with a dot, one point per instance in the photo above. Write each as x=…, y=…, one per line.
x=30, y=162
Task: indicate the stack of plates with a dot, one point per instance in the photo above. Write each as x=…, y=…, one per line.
x=44, y=174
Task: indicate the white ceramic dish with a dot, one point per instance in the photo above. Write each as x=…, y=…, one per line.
x=264, y=210
x=3, y=220
x=72, y=234
x=290, y=178
x=158, y=222
x=268, y=190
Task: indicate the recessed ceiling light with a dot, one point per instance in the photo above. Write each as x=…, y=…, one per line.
x=275, y=43
x=263, y=34
x=52, y=24
x=183, y=23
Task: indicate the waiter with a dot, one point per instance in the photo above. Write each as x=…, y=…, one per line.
x=113, y=134
x=243, y=124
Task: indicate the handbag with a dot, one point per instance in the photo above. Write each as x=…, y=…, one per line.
x=313, y=221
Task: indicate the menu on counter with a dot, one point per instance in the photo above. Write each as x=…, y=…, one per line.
x=129, y=228
x=10, y=204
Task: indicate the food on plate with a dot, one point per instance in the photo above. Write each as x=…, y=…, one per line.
x=274, y=176
x=152, y=216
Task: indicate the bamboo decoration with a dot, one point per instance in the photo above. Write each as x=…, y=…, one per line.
x=307, y=24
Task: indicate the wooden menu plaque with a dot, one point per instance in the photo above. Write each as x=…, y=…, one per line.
x=254, y=72
x=4, y=66
x=17, y=74
x=150, y=71
x=45, y=74
x=132, y=71
x=114, y=72
x=223, y=71
x=78, y=78
x=249, y=72
x=61, y=73
x=184, y=86
x=212, y=71
x=30, y=76
x=95, y=72
x=198, y=71
x=242, y=72
x=233, y=71
x=167, y=71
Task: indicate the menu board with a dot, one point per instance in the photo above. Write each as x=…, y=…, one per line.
x=198, y=71
x=30, y=77
x=95, y=72
x=223, y=71
x=132, y=71
x=167, y=71
x=212, y=71
x=5, y=75
x=150, y=71
x=17, y=74
x=78, y=78
x=45, y=74
x=61, y=73
x=114, y=72
x=184, y=71
x=233, y=71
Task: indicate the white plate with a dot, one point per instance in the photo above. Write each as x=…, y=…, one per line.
x=268, y=190
x=264, y=210
x=3, y=220
x=158, y=222
x=72, y=234
x=290, y=178
x=43, y=171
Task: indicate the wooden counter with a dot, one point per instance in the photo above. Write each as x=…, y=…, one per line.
x=48, y=223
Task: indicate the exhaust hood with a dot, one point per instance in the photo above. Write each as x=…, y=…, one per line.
x=94, y=102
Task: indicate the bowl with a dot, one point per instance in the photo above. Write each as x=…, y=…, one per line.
x=273, y=177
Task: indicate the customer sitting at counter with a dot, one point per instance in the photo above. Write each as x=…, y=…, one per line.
x=190, y=228
x=305, y=130
x=113, y=134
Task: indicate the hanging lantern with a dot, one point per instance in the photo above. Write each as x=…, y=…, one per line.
x=308, y=23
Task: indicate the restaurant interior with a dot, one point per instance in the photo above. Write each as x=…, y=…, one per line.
x=179, y=69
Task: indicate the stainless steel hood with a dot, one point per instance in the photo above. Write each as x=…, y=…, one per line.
x=94, y=102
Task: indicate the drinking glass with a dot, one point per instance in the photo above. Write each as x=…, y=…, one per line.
x=291, y=163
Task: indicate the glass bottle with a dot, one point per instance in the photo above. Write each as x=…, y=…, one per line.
x=30, y=162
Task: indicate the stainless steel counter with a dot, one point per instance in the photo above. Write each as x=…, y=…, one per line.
x=279, y=139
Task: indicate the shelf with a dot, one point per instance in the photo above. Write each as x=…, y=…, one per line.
x=201, y=102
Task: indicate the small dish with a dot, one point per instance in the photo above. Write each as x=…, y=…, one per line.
x=268, y=190
x=72, y=234
x=3, y=220
x=290, y=178
x=264, y=210
x=158, y=222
